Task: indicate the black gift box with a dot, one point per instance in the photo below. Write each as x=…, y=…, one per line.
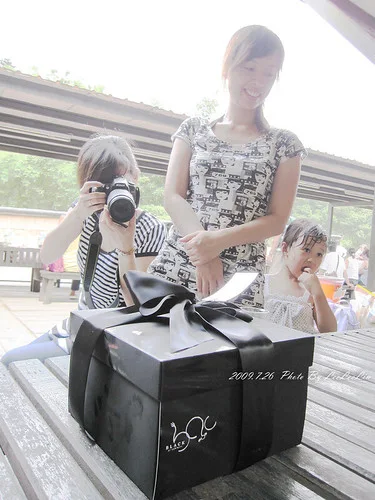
x=174, y=420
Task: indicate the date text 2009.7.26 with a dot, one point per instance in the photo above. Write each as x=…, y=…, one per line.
x=252, y=376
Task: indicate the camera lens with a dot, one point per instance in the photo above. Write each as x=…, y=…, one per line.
x=121, y=205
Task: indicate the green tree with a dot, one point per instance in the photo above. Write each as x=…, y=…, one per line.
x=35, y=182
x=55, y=76
x=44, y=183
x=206, y=108
x=353, y=224
x=152, y=193
x=66, y=79
x=7, y=64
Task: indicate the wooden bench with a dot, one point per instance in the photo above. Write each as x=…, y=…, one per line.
x=48, y=279
x=23, y=257
x=48, y=456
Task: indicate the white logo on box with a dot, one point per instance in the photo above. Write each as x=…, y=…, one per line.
x=181, y=440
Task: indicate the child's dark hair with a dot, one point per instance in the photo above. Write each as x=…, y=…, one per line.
x=310, y=232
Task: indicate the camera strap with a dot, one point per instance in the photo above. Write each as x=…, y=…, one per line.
x=93, y=251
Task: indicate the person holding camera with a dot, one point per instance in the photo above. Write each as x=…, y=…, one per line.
x=129, y=238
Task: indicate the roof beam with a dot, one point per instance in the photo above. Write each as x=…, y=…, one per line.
x=354, y=19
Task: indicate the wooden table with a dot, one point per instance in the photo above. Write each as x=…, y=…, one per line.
x=46, y=455
x=49, y=278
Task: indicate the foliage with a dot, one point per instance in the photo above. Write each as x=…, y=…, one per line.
x=353, y=224
x=152, y=192
x=7, y=64
x=54, y=76
x=48, y=184
x=311, y=209
x=206, y=108
x=35, y=182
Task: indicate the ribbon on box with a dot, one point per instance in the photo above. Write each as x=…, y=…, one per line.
x=191, y=323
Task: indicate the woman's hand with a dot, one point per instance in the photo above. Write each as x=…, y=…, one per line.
x=202, y=246
x=89, y=202
x=115, y=235
x=210, y=277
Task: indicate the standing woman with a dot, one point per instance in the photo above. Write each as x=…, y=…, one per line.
x=231, y=183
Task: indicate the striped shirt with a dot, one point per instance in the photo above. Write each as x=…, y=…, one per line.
x=105, y=288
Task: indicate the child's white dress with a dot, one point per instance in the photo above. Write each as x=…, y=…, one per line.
x=288, y=310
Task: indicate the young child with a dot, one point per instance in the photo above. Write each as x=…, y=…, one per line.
x=293, y=296
x=231, y=183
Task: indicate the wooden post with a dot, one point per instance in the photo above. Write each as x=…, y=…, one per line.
x=371, y=262
x=330, y=220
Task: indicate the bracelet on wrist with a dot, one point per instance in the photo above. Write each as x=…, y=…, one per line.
x=131, y=251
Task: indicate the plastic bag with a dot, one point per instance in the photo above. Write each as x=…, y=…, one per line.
x=364, y=306
x=345, y=316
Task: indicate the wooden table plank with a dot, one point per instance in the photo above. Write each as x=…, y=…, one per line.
x=42, y=465
x=265, y=480
x=10, y=488
x=360, y=339
x=341, y=425
x=350, y=358
x=356, y=381
x=359, y=397
x=334, y=402
x=342, y=366
x=274, y=481
x=334, y=478
x=59, y=366
x=344, y=452
x=51, y=397
x=339, y=348
x=366, y=332
x=344, y=340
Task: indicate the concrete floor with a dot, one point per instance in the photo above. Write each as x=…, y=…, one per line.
x=23, y=317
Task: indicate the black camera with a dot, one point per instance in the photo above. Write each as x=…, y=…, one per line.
x=122, y=199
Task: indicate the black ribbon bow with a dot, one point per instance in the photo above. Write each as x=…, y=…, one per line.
x=190, y=324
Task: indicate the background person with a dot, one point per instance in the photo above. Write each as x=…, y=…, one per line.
x=362, y=255
x=341, y=250
x=333, y=264
x=352, y=268
x=232, y=182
